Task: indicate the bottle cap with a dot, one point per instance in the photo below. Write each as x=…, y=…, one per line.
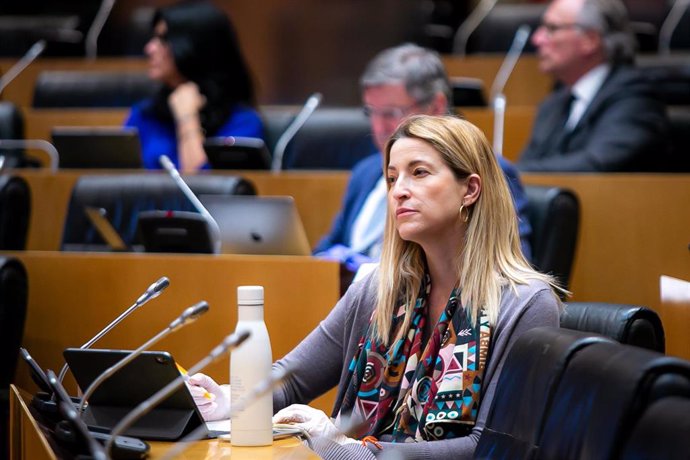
x=250, y=295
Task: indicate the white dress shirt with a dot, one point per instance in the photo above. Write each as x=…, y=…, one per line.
x=584, y=91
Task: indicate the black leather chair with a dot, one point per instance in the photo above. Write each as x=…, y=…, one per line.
x=496, y=32
x=124, y=196
x=670, y=76
x=524, y=394
x=662, y=432
x=628, y=324
x=332, y=138
x=91, y=89
x=554, y=215
x=11, y=127
x=679, y=156
x=15, y=212
x=276, y=120
x=13, y=302
x=605, y=389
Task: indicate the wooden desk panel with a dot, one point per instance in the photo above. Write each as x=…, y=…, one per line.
x=21, y=90
x=633, y=229
x=318, y=196
x=74, y=295
x=527, y=86
x=27, y=441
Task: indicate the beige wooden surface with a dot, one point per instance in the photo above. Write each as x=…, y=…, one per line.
x=527, y=86
x=29, y=443
x=72, y=296
x=318, y=196
x=21, y=90
x=633, y=229
x=26, y=440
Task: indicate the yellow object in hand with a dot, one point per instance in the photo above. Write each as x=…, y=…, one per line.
x=183, y=371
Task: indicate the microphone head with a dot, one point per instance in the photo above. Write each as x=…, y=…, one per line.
x=190, y=315
x=314, y=100
x=159, y=285
x=37, y=48
x=166, y=163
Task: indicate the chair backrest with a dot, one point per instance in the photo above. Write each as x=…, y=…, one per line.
x=11, y=127
x=523, y=396
x=554, y=214
x=628, y=324
x=91, y=89
x=662, y=432
x=15, y=212
x=603, y=392
x=495, y=33
x=276, y=120
x=669, y=75
x=332, y=138
x=679, y=118
x=13, y=301
x=124, y=196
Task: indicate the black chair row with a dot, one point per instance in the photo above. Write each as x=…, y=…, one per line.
x=124, y=196
x=569, y=395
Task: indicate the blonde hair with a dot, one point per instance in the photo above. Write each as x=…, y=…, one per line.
x=491, y=256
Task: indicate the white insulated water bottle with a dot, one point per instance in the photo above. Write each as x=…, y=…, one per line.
x=250, y=364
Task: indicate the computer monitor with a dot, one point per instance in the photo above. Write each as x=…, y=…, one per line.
x=97, y=147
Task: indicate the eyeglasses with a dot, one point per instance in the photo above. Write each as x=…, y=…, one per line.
x=391, y=113
x=552, y=28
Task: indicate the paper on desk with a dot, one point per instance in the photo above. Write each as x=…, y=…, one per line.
x=674, y=289
x=219, y=425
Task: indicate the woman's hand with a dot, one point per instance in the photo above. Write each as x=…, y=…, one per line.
x=212, y=399
x=313, y=421
x=186, y=101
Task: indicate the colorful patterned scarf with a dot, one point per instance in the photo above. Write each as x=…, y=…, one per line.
x=416, y=393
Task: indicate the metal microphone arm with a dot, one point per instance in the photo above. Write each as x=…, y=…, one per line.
x=151, y=293
x=498, y=99
x=35, y=51
x=182, y=185
x=38, y=144
x=470, y=24
x=91, y=42
x=188, y=316
x=230, y=342
x=279, y=151
x=260, y=389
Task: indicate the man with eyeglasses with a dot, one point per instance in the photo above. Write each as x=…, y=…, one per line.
x=397, y=83
x=605, y=116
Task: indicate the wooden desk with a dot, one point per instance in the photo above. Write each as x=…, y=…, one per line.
x=527, y=86
x=318, y=196
x=28, y=441
x=633, y=229
x=21, y=90
x=74, y=295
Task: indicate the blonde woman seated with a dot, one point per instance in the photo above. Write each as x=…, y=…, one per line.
x=416, y=348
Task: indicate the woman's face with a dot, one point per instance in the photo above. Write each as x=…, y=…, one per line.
x=424, y=195
x=162, y=66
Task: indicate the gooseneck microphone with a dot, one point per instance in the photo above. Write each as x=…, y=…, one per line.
x=91, y=42
x=31, y=55
x=38, y=144
x=266, y=385
x=187, y=317
x=230, y=342
x=470, y=24
x=279, y=151
x=182, y=185
x=151, y=293
x=498, y=99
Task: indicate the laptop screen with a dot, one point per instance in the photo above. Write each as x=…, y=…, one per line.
x=97, y=147
x=258, y=224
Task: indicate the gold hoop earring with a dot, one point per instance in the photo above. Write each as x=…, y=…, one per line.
x=467, y=216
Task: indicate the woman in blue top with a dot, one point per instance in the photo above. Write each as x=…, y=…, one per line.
x=206, y=87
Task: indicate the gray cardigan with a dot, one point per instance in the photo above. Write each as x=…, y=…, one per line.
x=321, y=362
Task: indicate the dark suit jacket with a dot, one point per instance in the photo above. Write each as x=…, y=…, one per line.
x=624, y=129
x=364, y=176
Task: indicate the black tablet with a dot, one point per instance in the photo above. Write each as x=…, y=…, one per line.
x=137, y=381
x=234, y=152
